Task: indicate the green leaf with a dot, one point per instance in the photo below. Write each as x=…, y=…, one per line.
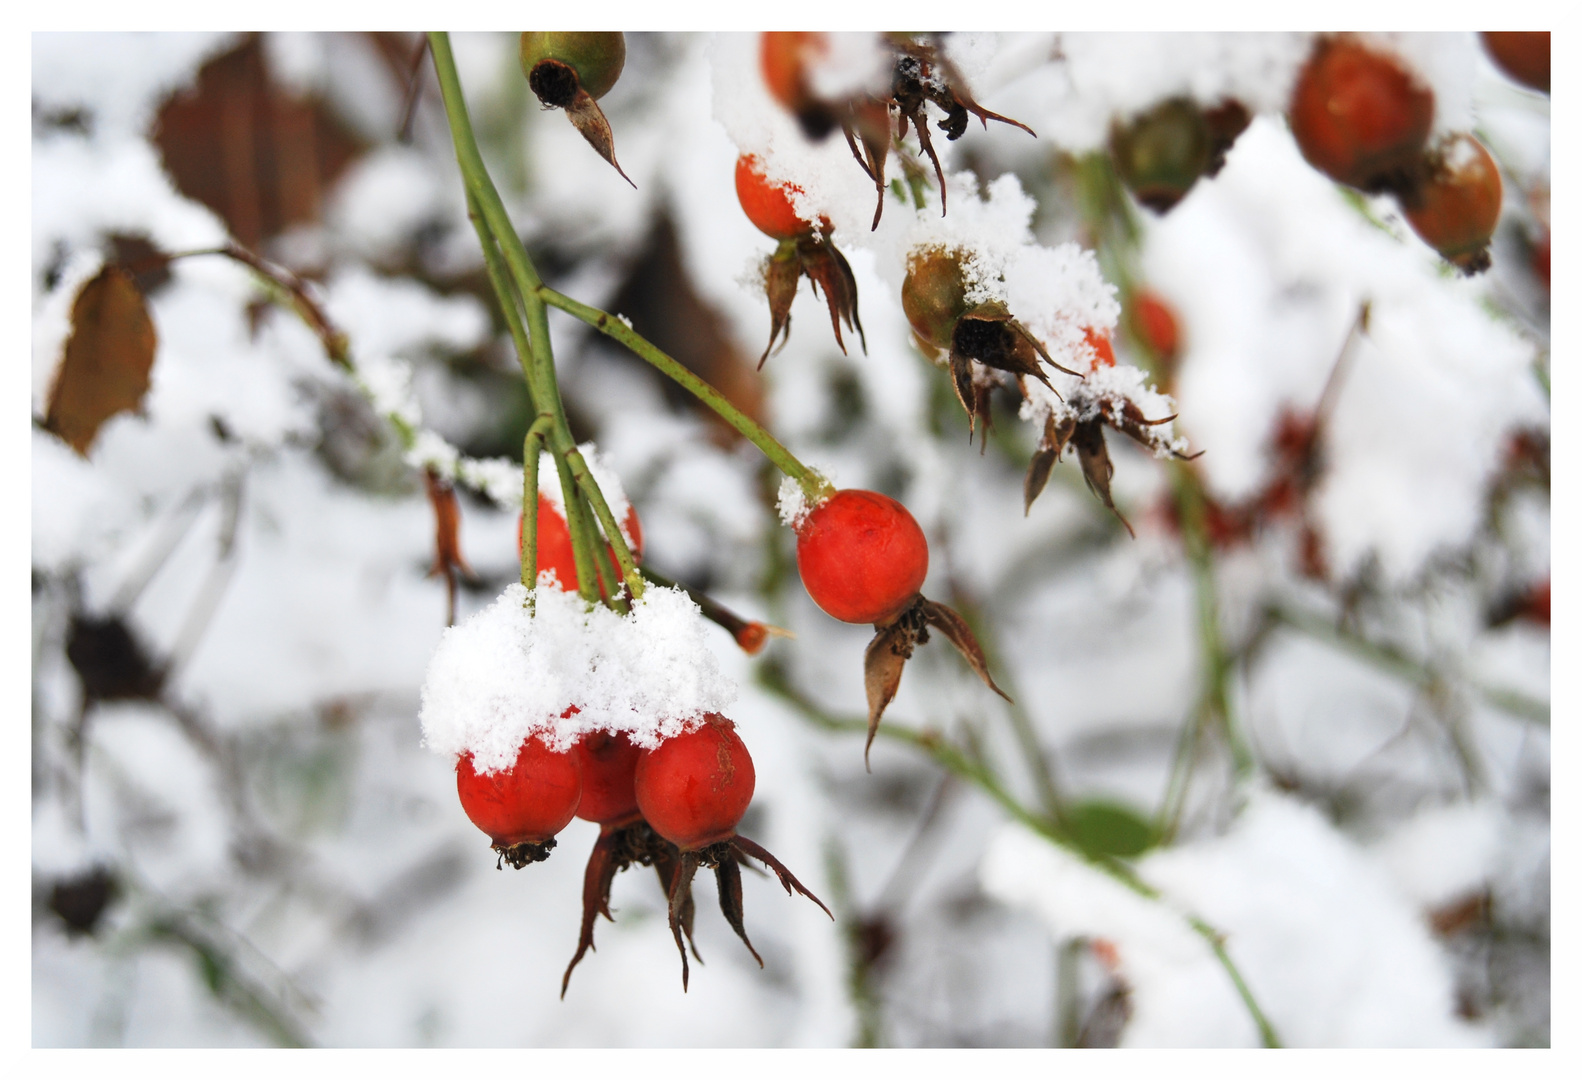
x=1101, y=827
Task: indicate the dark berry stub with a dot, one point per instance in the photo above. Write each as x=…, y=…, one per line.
x=862, y=556
x=521, y=808
x=555, y=83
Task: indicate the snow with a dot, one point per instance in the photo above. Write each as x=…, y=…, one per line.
x=514, y=669
x=1334, y=953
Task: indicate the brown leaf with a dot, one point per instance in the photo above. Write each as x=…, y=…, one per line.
x=882, y=664
x=955, y=628
x=447, y=537
x=108, y=357
x=586, y=116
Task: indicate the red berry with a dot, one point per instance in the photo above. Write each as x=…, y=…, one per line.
x=694, y=788
x=609, y=769
x=1156, y=324
x=1100, y=344
x=783, y=57
x=1457, y=207
x=1359, y=116
x=554, y=542
x=767, y=205
x=526, y=804
x=1523, y=55
x=862, y=556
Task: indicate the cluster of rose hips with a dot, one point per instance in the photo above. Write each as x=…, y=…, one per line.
x=674, y=807
x=1361, y=117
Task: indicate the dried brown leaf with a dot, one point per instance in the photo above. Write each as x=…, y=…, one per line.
x=1097, y=468
x=105, y=369
x=1038, y=471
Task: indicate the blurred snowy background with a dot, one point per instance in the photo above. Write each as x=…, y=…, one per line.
x=1321, y=723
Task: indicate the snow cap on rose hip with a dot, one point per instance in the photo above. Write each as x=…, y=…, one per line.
x=507, y=673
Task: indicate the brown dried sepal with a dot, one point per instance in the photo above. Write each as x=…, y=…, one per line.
x=815, y=256
x=618, y=847
x=557, y=87
x=989, y=336
x=1057, y=433
x=892, y=647
x=1097, y=468
x=448, y=559
x=922, y=75
x=586, y=116
x=726, y=859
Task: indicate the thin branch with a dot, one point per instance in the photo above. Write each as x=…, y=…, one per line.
x=953, y=759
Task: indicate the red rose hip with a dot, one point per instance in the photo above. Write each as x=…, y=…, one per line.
x=1457, y=207
x=609, y=776
x=522, y=808
x=1359, y=116
x=694, y=788
x=862, y=556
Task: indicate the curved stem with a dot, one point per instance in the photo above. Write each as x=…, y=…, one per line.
x=494, y=227
x=812, y=482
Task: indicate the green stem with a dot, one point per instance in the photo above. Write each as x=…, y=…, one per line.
x=812, y=483
x=953, y=759
x=531, y=447
x=494, y=225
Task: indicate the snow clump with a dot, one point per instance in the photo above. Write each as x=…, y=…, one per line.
x=511, y=672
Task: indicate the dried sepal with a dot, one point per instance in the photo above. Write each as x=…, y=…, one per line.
x=892, y=647
x=618, y=847
x=726, y=859
x=954, y=627
x=882, y=664
x=780, y=282
x=828, y=270
x=728, y=879
x=586, y=116
x=923, y=75
x=745, y=846
x=1097, y=468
